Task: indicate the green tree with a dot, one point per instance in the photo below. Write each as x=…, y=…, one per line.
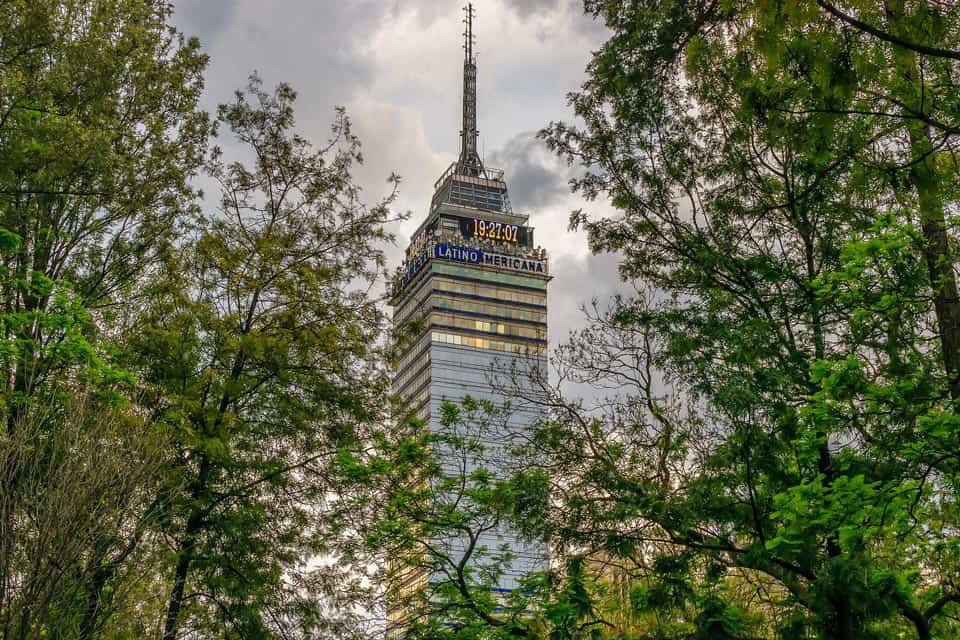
x=782, y=177
x=76, y=473
x=99, y=134
x=260, y=356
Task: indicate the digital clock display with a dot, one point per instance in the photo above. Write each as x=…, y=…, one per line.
x=496, y=231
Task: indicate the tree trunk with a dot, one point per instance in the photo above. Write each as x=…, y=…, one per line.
x=172, y=623
x=188, y=544
x=926, y=181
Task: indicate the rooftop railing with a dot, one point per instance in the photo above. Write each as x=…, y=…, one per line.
x=493, y=175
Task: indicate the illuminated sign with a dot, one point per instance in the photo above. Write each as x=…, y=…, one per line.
x=495, y=230
x=470, y=255
x=458, y=254
x=490, y=230
x=413, y=266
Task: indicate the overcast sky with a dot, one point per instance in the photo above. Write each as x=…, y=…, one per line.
x=396, y=66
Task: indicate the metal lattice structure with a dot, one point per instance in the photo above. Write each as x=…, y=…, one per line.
x=469, y=163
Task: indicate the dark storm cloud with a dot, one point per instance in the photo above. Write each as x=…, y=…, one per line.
x=315, y=46
x=205, y=20
x=572, y=10
x=536, y=176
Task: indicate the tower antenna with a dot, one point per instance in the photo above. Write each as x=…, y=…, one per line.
x=469, y=162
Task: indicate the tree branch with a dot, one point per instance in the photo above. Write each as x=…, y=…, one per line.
x=938, y=606
x=887, y=37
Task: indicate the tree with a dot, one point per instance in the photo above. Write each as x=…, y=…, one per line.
x=901, y=75
x=76, y=472
x=260, y=356
x=99, y=134
x=782, y=181
x=86, y=473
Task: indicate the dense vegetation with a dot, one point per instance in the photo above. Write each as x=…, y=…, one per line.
x=179, y=372
x=197, y=436
x=776, y=451
x=781, y=460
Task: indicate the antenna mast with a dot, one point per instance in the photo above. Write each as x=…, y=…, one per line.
x=469, y=162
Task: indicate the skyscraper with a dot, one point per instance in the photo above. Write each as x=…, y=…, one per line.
x=476, y=283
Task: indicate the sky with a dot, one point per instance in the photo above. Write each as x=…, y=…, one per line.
x=396, y=66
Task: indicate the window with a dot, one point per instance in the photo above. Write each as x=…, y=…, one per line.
x=497, y=276
x=487, y=343
x=489, y=326
x=498, y=294
x=489, y=308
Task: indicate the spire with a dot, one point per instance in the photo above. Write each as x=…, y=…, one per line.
x=469, y=162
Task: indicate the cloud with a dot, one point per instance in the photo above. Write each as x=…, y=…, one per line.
x=536, y=176
x=576, y=283
x=544, y=15
x=206, y=20
x=527, y=8
x=311, y=44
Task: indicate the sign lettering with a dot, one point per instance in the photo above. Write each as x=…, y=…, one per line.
x=469, y=255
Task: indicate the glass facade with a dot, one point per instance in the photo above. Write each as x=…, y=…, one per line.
x=487, y=193
x=469, y=307
x=476, y=308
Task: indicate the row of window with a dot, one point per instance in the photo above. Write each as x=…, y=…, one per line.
x=412, y=354
x=502, y=294
x=507, y=294
x=414, y=384
x=490, y=308
x=491, y=276
x=417, y=401
x=503, y=328
x=506, y=311
x=410, y=307
x=411, y=370
x=405, y=582
x=486, y=343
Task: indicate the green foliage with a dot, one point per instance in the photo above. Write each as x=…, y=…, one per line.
x=99, y=133
x=79, y=474
x=58, y=337
x=245, y=335
x=780, y=199
x=258, y=353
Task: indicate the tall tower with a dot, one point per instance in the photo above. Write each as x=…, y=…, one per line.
x=476, y=285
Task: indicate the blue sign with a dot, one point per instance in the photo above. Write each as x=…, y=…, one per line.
x=413, y=267
x=469, y=255
x=458, y=254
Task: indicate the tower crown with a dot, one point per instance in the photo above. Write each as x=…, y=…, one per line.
x=471, y=220
x=467, y=182
x=469, y=163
